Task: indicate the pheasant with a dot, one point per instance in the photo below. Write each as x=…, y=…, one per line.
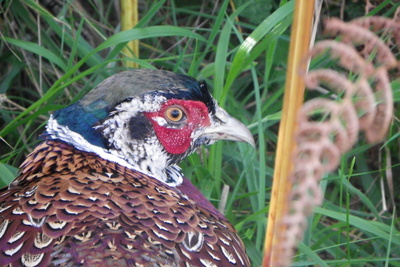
x=104, y=187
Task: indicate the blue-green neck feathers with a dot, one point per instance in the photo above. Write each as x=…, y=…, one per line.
x=82, y=120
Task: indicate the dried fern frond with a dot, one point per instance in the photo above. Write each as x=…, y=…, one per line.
x=328, y=128
x=383, y=27
x=355, y=34
x=346, y=55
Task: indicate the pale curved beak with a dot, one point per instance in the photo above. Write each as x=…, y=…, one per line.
x=229, y=128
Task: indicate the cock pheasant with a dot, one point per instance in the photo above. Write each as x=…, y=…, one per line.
x=104, y=188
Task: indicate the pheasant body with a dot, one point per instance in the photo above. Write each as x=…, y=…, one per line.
x=81, y=203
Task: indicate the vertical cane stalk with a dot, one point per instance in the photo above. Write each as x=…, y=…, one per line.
x=293, y=99
x=129, y=19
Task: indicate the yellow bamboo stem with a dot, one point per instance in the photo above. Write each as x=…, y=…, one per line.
x=293, y=99
x=129, y=19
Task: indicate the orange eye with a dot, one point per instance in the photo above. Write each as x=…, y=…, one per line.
x=175, y=114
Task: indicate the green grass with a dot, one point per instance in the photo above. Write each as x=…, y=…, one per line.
x=49, y=65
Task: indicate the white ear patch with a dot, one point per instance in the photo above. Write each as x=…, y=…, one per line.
x=160, y=121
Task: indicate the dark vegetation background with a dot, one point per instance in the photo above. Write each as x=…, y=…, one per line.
x=52, y=52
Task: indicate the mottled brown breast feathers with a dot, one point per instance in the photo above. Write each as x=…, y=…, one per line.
x=72, y=208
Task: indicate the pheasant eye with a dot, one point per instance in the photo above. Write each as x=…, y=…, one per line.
x=175, y=114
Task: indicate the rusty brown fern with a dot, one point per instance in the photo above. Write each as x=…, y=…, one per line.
x=362, y=52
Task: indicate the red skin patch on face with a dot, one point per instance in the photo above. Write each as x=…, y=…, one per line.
x=177, y=140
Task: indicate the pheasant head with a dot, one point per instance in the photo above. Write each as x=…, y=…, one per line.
x=147, y=120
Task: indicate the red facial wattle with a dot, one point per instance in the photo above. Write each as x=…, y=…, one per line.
x=177, y=140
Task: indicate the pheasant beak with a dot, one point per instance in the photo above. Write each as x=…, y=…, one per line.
x=228, y=128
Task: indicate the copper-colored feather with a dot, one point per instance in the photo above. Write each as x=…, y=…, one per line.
x=73, y=208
